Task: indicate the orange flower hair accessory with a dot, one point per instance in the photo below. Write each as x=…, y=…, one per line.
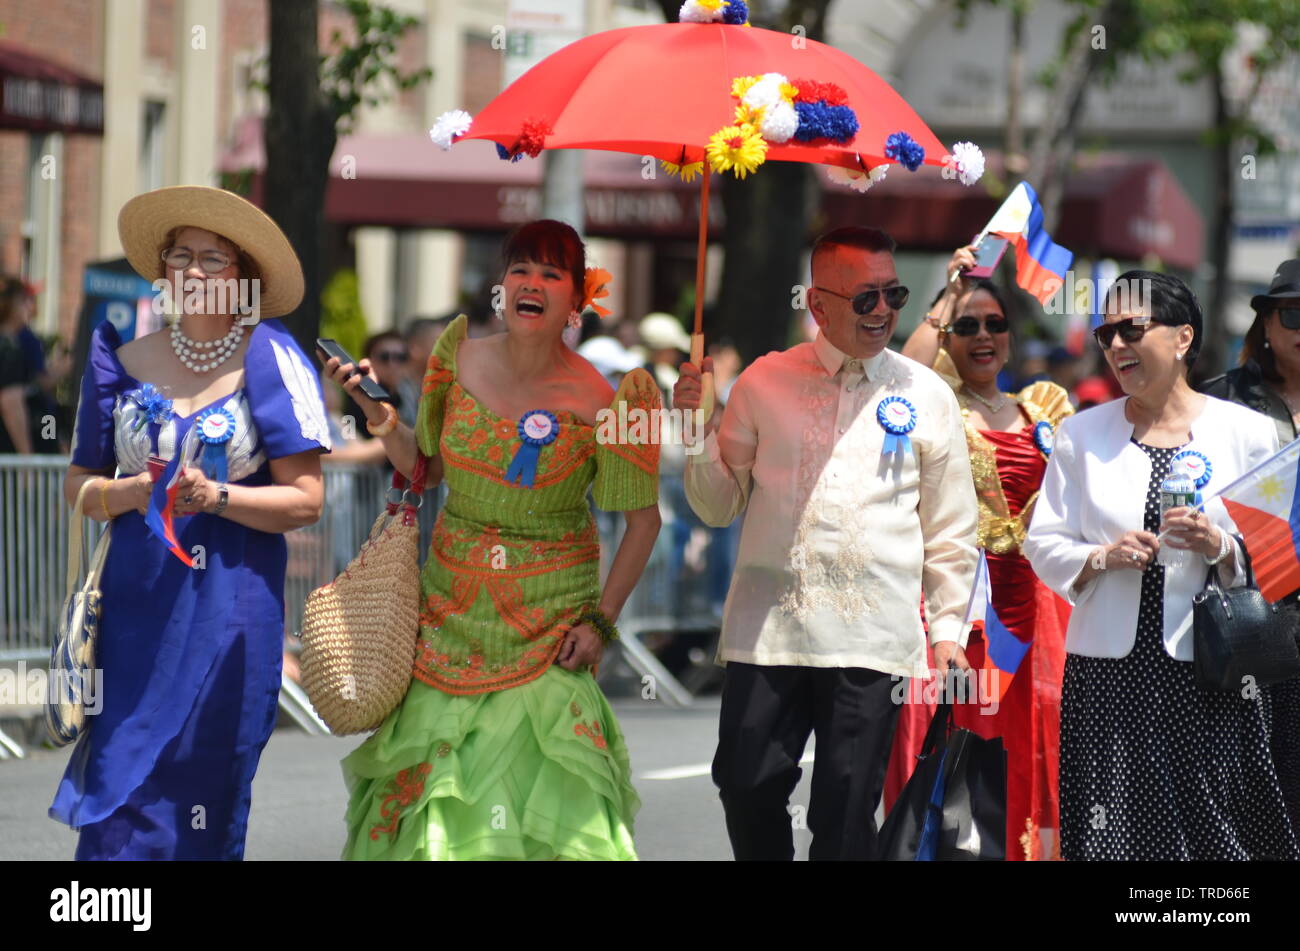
x=594, y=287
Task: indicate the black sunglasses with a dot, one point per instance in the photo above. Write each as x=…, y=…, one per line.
x=392, y=356
x=865, y=303
x=1289, y=317
x=969, y=326
x=1128, y=331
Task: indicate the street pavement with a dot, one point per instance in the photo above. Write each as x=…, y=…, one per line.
x=299, y=797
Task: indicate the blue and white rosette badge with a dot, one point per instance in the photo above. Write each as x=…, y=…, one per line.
x=215, y=427
x=1197, y=466
x=1044, y=437
x=898, y=418
x=537, y=428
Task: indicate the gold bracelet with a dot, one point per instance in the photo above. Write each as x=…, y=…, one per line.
x=103, y=498
x=387, y=426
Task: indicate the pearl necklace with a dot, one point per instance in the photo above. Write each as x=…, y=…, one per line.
x=209, y=354
x=992, y=407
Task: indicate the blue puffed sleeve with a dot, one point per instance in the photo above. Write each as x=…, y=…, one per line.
x=284, y=393
x=92, y=435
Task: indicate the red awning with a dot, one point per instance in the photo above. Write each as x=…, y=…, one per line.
x=1116, y=205
x=41, y=96
x=405, y=181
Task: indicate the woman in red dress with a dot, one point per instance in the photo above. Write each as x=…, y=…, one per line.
x=966, y=339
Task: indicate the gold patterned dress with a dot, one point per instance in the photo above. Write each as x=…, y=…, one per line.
x=497, y=752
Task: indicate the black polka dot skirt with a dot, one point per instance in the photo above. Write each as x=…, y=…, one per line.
x=1153, y=767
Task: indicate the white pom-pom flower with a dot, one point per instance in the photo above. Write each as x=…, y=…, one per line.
x=856, y=179
x=450, y=126
x=968, y=162
x=766, y=92
x=693, y=12
x=779, y=122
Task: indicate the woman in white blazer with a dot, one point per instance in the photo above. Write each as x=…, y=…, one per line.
x=1152, y=767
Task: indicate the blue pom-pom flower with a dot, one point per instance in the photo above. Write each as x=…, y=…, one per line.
x=736, y=13
x=905, y=150
x=821, y=121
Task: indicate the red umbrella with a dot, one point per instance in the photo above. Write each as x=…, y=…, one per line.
x=666, y=91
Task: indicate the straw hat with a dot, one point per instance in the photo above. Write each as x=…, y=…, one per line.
x=146, y=220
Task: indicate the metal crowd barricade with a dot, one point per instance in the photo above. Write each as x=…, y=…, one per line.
x=680, y=590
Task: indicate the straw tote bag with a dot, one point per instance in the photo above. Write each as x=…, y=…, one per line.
x=359, y=632
x=72, y=659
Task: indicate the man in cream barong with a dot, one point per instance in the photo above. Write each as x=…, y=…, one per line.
x=851, y=466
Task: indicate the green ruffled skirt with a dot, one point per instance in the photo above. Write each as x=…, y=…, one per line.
x=538, y=771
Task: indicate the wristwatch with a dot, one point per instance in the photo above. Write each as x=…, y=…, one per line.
x=223, y=498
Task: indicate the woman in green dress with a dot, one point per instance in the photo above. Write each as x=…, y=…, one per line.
x=504, y=747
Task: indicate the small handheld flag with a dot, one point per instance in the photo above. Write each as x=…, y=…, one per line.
x=159, y=516
x=1266, y=507
x=1041, y=264
x=1004, y=650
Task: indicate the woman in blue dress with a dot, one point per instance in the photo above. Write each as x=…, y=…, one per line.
x=203, y=444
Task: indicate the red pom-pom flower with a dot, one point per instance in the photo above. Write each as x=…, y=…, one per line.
x=533, y=137
x=810, y=90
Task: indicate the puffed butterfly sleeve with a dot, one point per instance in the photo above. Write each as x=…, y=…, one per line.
x=627, y=446
x=284, y=393
x=438, y=377
x=92, y=435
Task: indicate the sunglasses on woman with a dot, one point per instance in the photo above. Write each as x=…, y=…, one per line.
x=865, y=303
x=969, y=326
x=1289, y=317
x=1128, y=330
x=392, y=356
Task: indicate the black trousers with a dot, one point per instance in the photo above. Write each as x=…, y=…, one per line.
x=767, y=715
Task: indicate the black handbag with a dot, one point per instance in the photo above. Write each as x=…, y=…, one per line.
x=954, y=807
x=1239, y=639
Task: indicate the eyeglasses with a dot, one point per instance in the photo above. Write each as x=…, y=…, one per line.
x=212, y=262
x=1129, y=331
x=1289, y=318
x=392, y=356
x=895, y=297
x=969, y=326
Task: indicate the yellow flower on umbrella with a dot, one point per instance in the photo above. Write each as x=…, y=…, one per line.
x=594, y=287
x=736, y=148
x=746, y=115
x=741, y=85
x=686, y=173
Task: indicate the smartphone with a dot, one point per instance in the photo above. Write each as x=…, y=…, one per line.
x=987, y=255
x=328, y=347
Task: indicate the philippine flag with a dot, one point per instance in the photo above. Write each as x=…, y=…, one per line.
x=1004, y=651
x=1266, y=507
x=1041, y=264
x=159, y=516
